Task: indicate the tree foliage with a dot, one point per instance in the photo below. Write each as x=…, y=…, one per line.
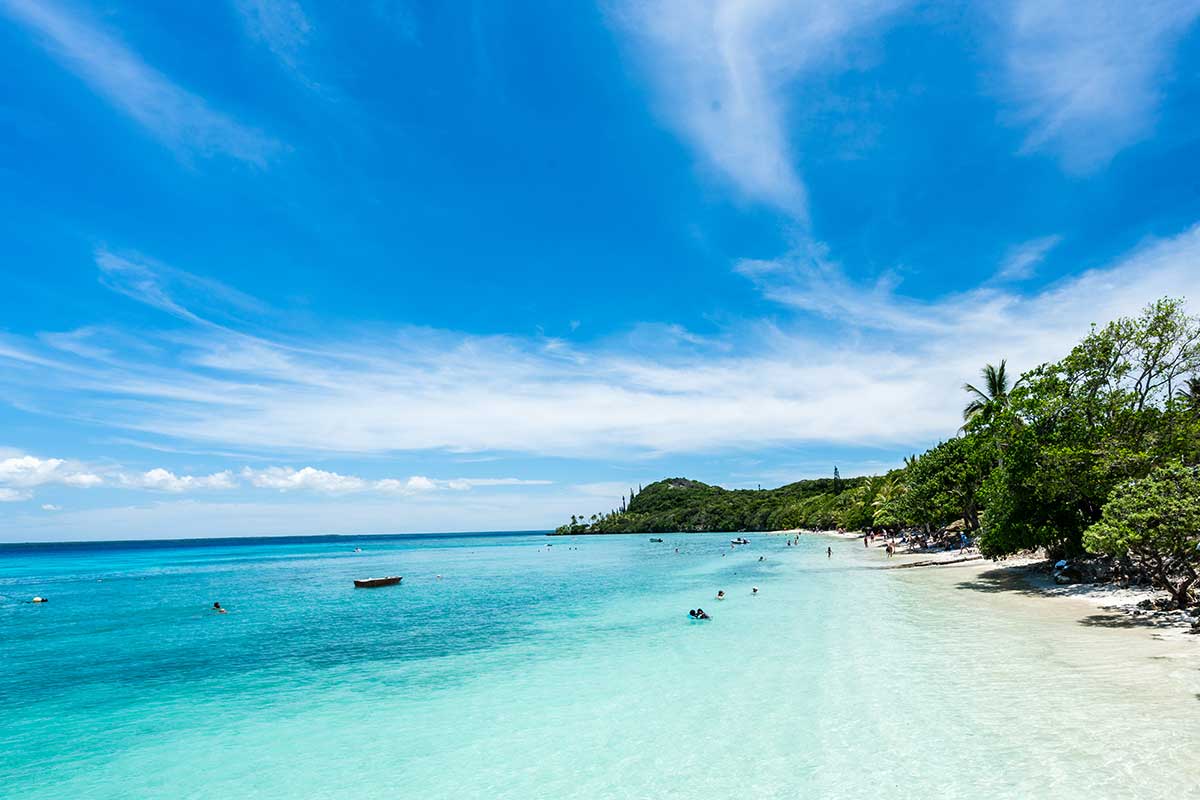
x=680, y=504
x=943, y=484
x=985, y=402
x=1074, y=429
x=1155, y=521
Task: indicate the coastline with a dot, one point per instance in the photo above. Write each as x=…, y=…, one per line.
x=1102, y=604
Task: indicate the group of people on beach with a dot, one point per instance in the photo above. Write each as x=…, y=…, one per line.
x=889, y=547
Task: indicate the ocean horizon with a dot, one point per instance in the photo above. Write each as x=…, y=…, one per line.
x=218, y=541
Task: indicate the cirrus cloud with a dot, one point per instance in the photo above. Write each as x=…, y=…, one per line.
x=883, y=369
x=178, y=118
x=722, y=69
x=1085, y=78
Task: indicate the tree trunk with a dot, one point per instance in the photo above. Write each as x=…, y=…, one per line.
x=1181, y=592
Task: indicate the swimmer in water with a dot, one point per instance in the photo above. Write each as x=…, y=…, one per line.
x=754, y=590
x=829, y=552
x=721, y=594
x=217, y=608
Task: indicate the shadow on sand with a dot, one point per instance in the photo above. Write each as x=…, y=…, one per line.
x=1011, y=580
x=1022, y=580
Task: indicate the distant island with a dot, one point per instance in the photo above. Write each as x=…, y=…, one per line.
x=680, y=504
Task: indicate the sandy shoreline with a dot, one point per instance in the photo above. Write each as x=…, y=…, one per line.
x=1029, y=576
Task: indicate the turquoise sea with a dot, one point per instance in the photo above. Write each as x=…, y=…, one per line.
x=568, y=671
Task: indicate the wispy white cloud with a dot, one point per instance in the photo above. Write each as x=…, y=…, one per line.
x=281, y=25
x=180, y=119
x=1086, y=78
x=318, y=480
x=13, y=495
x=156, y=284
x=398, y=17
x=138, y=281
x=51, y=507
x=883, y=370
x=722, y=69
x=471, y=483
x=1023, y=259
x=939, y=341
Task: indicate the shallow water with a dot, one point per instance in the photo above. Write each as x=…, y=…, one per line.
x=569, y=671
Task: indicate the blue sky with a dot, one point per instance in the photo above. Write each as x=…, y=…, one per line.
x=290, y=266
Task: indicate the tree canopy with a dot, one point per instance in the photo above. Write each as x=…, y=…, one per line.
x=680, y=504
x=1155, y=521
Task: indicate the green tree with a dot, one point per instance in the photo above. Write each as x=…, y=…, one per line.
x=1190, y=393
x=852, y=508
x=1155, y=521
x=1075, y=429
x=679, y=504
x=885, y=511
x=943, y=484
x=992, y=397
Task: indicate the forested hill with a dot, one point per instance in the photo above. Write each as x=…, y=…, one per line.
x=679, y=504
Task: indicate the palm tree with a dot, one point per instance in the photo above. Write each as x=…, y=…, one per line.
x=993, y=395
x=1191, y=392
x=889, y=491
